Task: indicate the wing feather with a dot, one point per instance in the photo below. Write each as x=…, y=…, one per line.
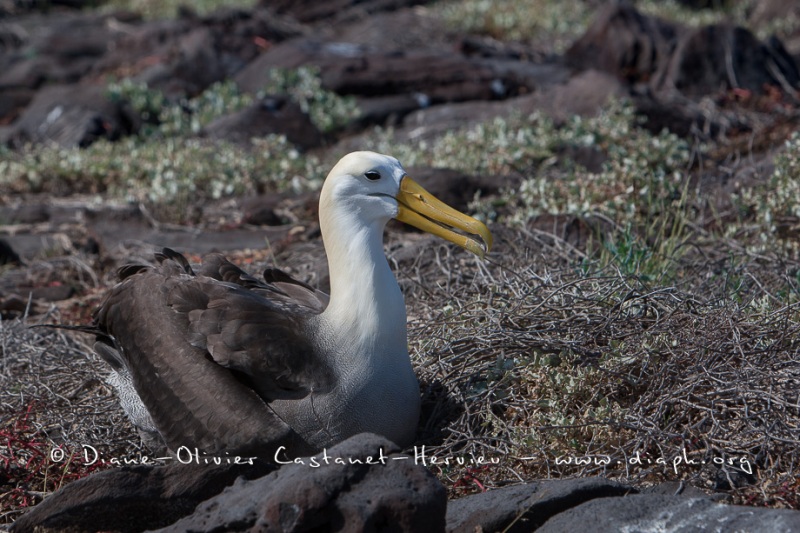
x=207, y=352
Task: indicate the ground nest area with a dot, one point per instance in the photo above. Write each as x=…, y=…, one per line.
x=544, y=367
x=638, y=317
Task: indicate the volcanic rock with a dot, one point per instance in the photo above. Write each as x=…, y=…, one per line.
x=651, y=512
x=351, y=495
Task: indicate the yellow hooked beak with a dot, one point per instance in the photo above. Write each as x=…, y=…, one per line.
x=421, y=209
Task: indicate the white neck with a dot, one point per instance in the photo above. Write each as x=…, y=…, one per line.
x=366, y=312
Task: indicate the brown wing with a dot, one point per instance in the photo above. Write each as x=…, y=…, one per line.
x=208, y=352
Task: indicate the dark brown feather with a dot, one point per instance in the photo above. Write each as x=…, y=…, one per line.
x=208, y=352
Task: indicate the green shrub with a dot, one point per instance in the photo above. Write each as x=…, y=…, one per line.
x=167, y=174
x=184, y=117
x=557, y=23
x=326, y=109
x=776, y=200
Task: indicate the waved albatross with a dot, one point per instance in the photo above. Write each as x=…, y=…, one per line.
x=222, y=361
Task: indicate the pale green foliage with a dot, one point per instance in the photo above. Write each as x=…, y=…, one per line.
x=163, y=171
x=551, y=21
x=185, y=117
x=559, y=23
x=146, y=102
x=784, y=186
x=641, y=166
x=493, y=147
x=732, y=11
x=567, y=395
x=779, y=196
x=326, y=109
x=190, y=116
x=165, y=166
x=737, y=12
x=641, y=187
x=180, y=170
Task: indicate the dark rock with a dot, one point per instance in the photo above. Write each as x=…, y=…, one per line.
x=705, y=4
x=133, y=498
x=77, y=4
x=434, y=76
x=110, y=228
x=625, y=43
x=246, y=33
x=578, y=231
x=5, y=135
x=7, y=254
x=720, y=57
x=71, y=115
x=668, y=57
x=395, y=496
x=269, y=115
x=31, y=74
x=433, y=121
x=30, y=244
x=523, y=508
x=584, y=94
x=50, y=293
x=403, y=29
x=488, y=47
x=388, y=109
x=181, y=57
x=455, y=188
x=25, y=213
x=187, y=55
x=312, y=10
x=12, y=102
x=652, y=512
x=11, y=36
x=685, y=118
x=80, y=37
x=197, y=61
x=56, y=50
x=192, y=64
x=14, y=306
x=260, y=210
x=680, y=488
x=441, y=77
x=17, y=7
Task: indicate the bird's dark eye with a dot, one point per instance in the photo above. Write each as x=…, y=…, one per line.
x=372, y=175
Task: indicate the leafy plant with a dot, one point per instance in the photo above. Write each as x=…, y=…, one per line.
x=326, y=109
x=185, y=117
x=557, y=23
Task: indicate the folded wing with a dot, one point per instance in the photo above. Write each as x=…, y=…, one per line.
x=207, y=352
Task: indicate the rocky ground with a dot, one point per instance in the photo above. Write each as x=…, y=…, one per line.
x=640, y=306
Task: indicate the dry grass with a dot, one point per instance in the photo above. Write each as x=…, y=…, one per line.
x=52, y=401
x=542, y=354
x=541, y=362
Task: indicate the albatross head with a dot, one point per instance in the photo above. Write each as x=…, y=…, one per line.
x=364, y=335
x=374, y=188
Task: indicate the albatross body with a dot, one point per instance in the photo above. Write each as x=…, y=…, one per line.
x=221, y=361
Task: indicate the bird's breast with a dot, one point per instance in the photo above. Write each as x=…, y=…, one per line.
x=382, y=399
